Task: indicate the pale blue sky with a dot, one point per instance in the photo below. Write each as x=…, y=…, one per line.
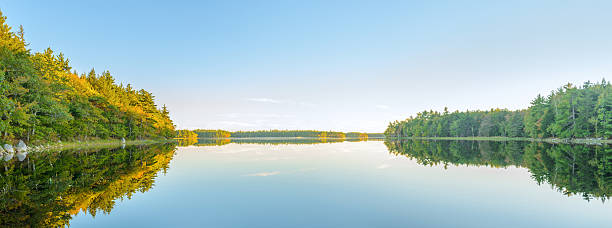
x=331, y=65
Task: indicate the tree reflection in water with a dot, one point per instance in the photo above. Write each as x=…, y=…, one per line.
x=48, y=189
x=571, y=169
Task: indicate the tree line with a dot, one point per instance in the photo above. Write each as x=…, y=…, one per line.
x=287, y=133
x=186, y=134
x=357, y=135
x=202, y=133
x=265, y=141
x=568, y=112
x=41, y=99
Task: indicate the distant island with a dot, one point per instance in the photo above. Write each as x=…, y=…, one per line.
x=202, y=137
x=217, y=134
x=569, y=114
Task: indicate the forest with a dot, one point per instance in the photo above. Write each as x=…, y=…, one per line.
x=266, y=141
x=568, y=112
x=288, y=133
x=203, y=134
x=186, y=134
x=212, y=133
x=42, y=99
x=357, y=135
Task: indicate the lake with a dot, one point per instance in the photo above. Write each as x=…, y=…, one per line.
x=312, y=183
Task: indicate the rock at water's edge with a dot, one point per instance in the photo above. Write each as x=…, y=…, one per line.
x=9, y=149
x=21, y=146
x=8, y=157
x=21, y=156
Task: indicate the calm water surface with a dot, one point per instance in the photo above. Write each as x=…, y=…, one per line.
x=283, y=183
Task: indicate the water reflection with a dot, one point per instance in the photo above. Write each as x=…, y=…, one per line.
x=572, y=169
x=48, y=189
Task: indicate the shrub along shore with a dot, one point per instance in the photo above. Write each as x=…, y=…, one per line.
x=90, y=144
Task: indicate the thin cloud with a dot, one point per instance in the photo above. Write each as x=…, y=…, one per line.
x=262, y=174
x=265, y=100
x=383, y=166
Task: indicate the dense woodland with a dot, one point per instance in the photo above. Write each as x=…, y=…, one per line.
x=569, y=112
x=275, y=133
x=212, y=133
x=41, y=99
x=287, y=133
x=266, y=141
x=357, y=135
x=186, y=134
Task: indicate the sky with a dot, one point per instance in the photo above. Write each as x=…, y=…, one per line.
x=326, y=65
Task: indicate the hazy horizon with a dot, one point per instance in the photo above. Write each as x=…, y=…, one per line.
x=343, y=66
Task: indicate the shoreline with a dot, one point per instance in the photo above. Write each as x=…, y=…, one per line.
x=586, y=141
x=92, y=144
x=284, y=138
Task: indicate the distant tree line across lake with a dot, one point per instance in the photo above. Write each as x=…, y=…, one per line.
x=568, y=112
x=200, y=133
x=267, y=141
x=41, y=99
